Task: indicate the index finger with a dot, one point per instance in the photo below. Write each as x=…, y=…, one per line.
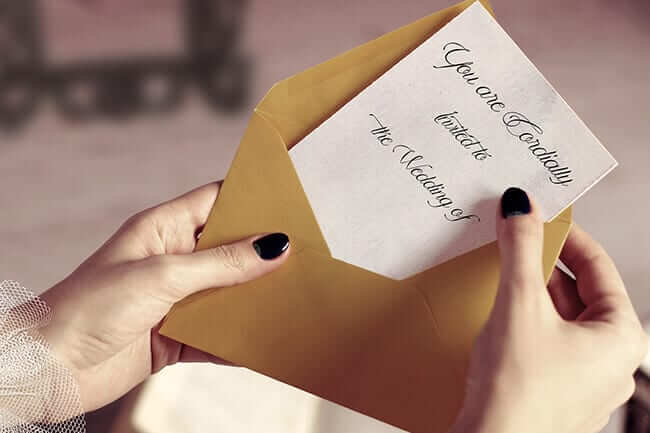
x=598, y=280
x=191, y=209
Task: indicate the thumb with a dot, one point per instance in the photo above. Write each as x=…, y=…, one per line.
x=224, y=265
x=520, y=234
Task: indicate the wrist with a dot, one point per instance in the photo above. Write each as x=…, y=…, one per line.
x=59, y=330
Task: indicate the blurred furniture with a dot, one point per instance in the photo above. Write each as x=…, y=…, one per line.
x=123, y=85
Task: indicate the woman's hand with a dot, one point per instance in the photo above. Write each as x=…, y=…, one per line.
x=556, y=359
x=107, y=312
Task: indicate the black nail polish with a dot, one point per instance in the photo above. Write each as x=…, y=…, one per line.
x=514, y=202
x=271, y=246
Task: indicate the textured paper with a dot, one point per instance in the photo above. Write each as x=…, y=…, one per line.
x=408, y=174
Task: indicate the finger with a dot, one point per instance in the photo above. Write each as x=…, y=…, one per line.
x=225, y=265
x=194, y=207
x=597, y=424
x=179, y=220
x=166, y=351
x=520, y=234
x=564, y=294
x=598, y=280
x=190, y=354
x=169, y=228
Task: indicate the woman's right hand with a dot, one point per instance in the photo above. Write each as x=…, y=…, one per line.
x=557, y=358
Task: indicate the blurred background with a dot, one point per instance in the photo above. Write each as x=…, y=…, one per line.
x=111, y=106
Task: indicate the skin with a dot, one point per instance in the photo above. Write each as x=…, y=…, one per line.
x=556, y=357
x=107, y=312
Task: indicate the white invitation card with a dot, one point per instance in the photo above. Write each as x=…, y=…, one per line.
x=409, y=173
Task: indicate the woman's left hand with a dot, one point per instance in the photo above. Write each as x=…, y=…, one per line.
x=107, y=312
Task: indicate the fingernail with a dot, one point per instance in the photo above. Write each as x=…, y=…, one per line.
x=271, y=246
x=514, y=202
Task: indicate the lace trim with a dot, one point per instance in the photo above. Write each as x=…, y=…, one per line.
x=37, y=393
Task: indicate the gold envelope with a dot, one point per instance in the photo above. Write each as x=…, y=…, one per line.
x=394, y=350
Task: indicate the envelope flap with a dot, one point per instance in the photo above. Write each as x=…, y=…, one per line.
x=298, y=104
x=262, y=193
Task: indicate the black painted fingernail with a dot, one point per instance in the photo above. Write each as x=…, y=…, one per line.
x=514, y=202
x=271, y=246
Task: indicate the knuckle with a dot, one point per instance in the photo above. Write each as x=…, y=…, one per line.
x=230, y=257
x=519, y=282
x=525, y=301
x=524, y=277
x=522, y=234
x=165, y=270
x=138, y=217
x=141, y=219
x=594, y=259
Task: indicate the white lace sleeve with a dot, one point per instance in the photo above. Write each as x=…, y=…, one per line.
x=37, y=393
